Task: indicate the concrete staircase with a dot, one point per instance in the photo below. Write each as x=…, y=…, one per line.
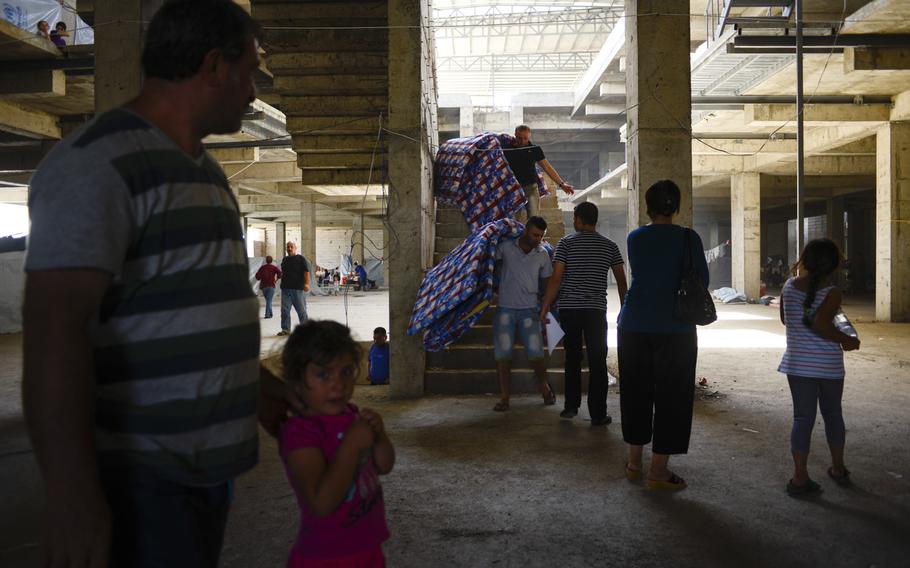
x=333, y=82
x=468, y=367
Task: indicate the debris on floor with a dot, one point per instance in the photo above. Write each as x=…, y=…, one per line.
x=704, y=391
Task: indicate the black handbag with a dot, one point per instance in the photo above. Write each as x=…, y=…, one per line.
x=693, y=302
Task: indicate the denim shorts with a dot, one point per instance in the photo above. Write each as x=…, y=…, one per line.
x=527, y=323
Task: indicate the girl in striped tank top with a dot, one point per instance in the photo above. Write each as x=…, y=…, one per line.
x=814, y=360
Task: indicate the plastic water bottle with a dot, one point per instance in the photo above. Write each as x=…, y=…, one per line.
x=842, y=323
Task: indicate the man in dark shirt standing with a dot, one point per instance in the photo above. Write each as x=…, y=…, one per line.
x=295, y=280
x=523, y=156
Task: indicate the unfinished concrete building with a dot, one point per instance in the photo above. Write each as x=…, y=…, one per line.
x=337, y=153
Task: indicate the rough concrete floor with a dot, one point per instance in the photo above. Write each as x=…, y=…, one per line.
x=477, y=488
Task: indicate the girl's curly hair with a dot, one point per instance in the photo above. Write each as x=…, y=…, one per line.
x=319, y=342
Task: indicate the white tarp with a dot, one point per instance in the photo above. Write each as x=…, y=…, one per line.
x=27, y=13
x=12, y=286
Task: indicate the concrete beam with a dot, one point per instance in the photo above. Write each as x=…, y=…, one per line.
x=604, y=109
x=262, y=171
x=815, y=165
x=27, y=122
x=556, y=120
x=776, y=114
x=821, y=140
x=876, y=59
x=747, y=146
x=31, y=84
x=863, y=146
x=716, y=164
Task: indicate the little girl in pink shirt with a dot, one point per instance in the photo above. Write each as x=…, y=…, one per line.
x=334, y=453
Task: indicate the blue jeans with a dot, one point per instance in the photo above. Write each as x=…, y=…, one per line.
x=292, y=298
x=268, y=294
x=161, y=524
x=527, y=323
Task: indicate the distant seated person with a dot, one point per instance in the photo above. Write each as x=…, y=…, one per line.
x=362, y=280
x=379, y=358
x=58, y=34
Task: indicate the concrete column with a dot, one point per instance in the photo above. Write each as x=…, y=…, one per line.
x=517, y=117
x=466, y=121
x=357, y=239
x=603, y=164
x=118, y=49
x=308, y=230
x=281, y=239
x=745, y=225
x=658, y=94
x=892, y=221
x=386, y=249
x=412, y=110
x=713, y=235
x=246, y=234
x=835, y=224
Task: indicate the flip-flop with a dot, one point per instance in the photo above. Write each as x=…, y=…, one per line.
x=675, y=483
x=549, y=399
x=632, y=474
x=840, y=479
x=501, y=406
x=805, y=489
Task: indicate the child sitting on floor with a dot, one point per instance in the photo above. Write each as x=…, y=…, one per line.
x=379, y=358
x=333, y=452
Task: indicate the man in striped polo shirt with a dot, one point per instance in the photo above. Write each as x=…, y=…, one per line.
x=141, y=342
x=581, y=269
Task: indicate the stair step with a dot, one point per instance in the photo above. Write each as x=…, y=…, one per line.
x=448, y=243
x=449, y=230
x=326, y=40
x=449, y=214
x=302, y=63
x=304, y=13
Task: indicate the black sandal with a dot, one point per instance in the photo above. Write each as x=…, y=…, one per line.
x=549, y=399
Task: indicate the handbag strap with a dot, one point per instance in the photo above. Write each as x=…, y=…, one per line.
x=687, y=252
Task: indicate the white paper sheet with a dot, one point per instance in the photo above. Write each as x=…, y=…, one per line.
x=554, y=333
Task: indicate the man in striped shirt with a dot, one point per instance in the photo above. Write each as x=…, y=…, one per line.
x=141, y=340
x=581, y=269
